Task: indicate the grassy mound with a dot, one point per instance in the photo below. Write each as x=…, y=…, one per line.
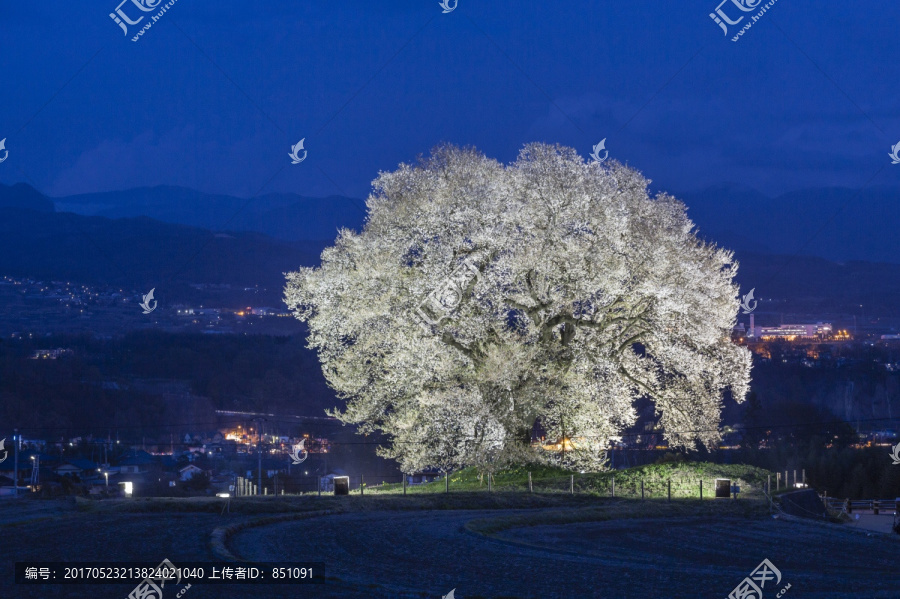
x=684, y=477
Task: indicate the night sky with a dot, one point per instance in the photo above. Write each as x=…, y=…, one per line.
x=213, y=96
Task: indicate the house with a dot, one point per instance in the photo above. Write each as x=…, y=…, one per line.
x=136, y=462
x=221, y=449
x=78, y=467
x=189, y=472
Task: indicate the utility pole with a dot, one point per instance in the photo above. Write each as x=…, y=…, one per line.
x=259, y=422
x=16, y=463
x=35, y=471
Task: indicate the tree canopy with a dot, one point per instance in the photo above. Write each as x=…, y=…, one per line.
x=480, y=298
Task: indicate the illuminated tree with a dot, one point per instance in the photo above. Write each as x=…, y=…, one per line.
x=480, y=298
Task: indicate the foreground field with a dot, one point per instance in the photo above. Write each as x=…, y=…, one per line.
x=498, y=545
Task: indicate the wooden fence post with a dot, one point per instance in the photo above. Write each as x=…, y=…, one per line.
x=670, y=489
x=572, y=484
x=446, y=482
x=642, y=489
x=530, y=487
x=361, y=485
x=768, y=484
x=490, y=483
x=404, y=483
x=804, y=476
x=613, y=485
x=701, y=488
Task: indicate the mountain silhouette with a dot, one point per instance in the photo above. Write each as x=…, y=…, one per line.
x=283, y=232
x=22, y=195
x=284, y=216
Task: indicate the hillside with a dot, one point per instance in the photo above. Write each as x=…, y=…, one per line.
x=289, y=217
x=146, y=235
x=143, y=253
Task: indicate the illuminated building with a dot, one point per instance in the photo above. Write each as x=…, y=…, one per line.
x=796, y=331
x=790, y=331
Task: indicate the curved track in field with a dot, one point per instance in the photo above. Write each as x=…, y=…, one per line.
x=428, y=553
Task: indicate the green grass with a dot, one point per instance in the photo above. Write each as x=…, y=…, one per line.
x=684, y=477
x=469, y=491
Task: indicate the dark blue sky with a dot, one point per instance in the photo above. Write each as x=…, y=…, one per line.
x=215, y=93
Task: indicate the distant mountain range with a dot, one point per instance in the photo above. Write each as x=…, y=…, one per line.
x=788, y=247
x=139, y=252
x=838, y=224
x=282, y=216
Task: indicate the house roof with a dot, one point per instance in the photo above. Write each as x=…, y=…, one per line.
x=139, y=459
x=80, y=463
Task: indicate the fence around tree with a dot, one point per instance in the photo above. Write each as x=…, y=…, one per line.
x=651, y=482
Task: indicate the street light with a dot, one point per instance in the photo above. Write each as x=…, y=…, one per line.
x=106, y=474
